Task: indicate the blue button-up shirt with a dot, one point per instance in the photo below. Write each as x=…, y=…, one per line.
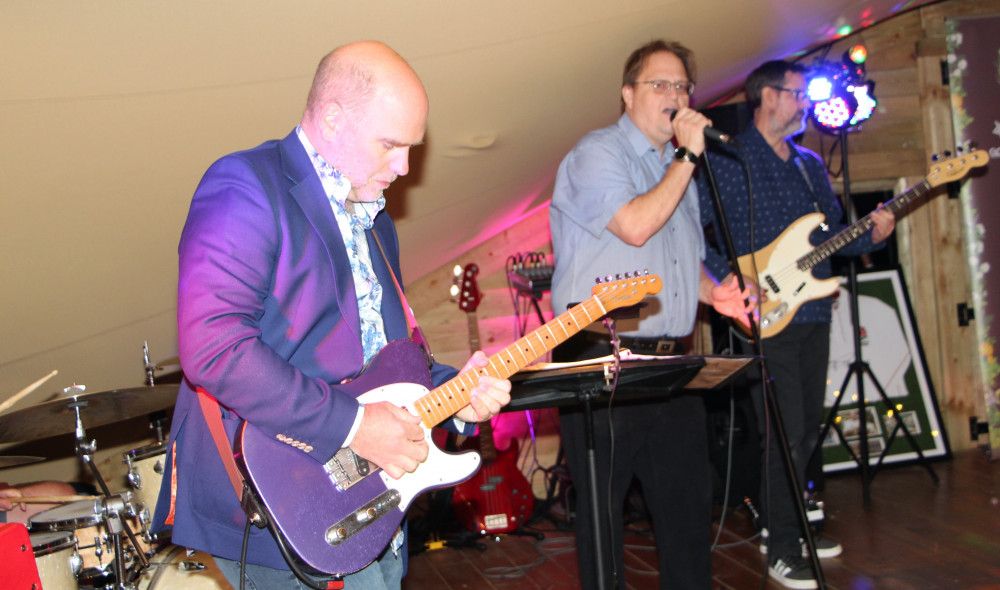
x=604, y=171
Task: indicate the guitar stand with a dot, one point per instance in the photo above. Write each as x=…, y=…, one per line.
x=860, y=368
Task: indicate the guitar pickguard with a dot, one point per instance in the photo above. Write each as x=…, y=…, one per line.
x=787, y=286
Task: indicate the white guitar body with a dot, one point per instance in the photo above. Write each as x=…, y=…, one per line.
x=440, y=469
x=786, y=285
x=784, y=267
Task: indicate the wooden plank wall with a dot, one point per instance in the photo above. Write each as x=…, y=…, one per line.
x=892, y=152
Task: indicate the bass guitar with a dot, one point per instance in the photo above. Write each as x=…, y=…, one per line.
x=498, y=498
x=337, y=517
x=785, y=274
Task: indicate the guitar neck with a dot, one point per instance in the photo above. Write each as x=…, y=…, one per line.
x=446, y=400
x=860, y=227
x=473, y=331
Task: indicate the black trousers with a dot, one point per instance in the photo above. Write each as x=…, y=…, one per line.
x=664, y=444
x=797, y=360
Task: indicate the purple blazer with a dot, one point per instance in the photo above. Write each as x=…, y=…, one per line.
x=267, y=322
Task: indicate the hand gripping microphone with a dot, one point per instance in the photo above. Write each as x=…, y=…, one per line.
x=712, y=132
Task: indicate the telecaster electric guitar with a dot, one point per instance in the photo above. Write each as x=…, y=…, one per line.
x=786, y=275
x=498, y=498
x=337, y=517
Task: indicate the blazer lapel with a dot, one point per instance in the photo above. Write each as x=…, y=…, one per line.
x=307, y=190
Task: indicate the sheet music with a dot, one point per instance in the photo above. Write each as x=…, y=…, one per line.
x=626, y=355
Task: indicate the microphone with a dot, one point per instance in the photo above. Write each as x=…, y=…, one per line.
x=712, y=133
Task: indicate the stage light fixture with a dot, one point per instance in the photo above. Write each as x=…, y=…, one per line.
x=841, y=96
x=863, y=93
x=856, y=54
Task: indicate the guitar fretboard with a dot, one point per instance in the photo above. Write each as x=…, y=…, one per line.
x=859, y=228
x=449, y=398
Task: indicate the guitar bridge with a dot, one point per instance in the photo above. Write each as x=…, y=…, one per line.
x=346, y=468
x=362, y=517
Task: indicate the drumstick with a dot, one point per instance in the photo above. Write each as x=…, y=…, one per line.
x=47, y=499
x=17, y=396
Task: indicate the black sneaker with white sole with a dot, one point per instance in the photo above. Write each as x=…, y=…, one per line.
x=791, y=571
x=825, y=548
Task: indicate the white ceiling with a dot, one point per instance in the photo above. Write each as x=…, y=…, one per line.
x=112, y=110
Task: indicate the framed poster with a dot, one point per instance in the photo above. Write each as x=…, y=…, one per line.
x=891, y=347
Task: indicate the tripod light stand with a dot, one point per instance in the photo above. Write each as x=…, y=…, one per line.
x=860, y=369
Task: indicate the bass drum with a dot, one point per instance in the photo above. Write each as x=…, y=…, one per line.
x=172, y=568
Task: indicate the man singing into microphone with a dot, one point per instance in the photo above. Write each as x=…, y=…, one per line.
x=624, y=200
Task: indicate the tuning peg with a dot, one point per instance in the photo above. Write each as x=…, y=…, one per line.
x=947, y=153
x=935, y=157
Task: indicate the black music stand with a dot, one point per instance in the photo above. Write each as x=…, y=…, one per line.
x=642, y=378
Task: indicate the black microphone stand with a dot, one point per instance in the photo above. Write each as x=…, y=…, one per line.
x=770, y=399
x=860, y=368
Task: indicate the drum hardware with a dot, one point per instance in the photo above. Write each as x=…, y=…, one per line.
x=145, y=472
x=157, y=419
x=113, y=506
x=177, y=567
x=92, y=523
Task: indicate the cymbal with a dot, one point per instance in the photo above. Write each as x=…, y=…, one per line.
x=15, y=460
x=58, y=416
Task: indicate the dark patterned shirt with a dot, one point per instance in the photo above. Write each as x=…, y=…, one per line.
x=783, y=192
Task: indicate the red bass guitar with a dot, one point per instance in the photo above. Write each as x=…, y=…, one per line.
x=498, y=498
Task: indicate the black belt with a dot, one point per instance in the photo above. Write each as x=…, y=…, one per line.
x=641, y=345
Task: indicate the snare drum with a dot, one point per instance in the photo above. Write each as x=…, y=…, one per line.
x=85, y=518
x=57, y=559
x=172, y=568
x=145, y=472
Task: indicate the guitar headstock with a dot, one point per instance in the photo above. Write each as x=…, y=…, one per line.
x=628, y=291
x=955, y=168
x=465, y=288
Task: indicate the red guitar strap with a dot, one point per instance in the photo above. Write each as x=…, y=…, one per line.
x=213, y=416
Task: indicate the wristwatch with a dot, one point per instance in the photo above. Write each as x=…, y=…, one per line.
x=682, y=153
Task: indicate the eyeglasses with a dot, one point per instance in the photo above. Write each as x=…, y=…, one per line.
x=662, y=86
x=798, y=94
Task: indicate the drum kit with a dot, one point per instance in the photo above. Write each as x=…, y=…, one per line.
x=105, y=542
